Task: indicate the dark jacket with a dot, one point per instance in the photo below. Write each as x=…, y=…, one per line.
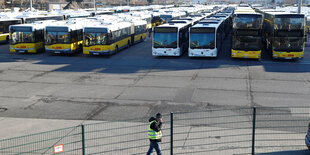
x=156, y=126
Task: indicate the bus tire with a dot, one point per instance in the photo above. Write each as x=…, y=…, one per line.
x=116, y=49
x=7, y=39
x=141, y=39
x=128, y=44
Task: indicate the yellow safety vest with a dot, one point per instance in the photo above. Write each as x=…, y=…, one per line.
x=152, y=134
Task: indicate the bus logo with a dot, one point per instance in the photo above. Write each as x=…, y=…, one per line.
x=290, y=55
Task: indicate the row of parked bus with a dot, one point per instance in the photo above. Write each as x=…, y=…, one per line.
x=104, y=35
x=202, y=37
x=99, y=35
x=280, y=34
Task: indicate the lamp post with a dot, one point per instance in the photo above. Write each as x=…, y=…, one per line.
x=299, y=6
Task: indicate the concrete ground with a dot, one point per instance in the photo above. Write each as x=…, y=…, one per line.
x=41, y=92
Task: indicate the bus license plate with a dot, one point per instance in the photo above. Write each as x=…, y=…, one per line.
x=95, y=53
x=57, y=52
x=21, y=51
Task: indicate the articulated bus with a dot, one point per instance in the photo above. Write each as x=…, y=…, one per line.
x=64, y=37
x=27, y=38
x=106, y=38
x=206, y=38
x=140, y=29
x=4, y=28
x=247, y=35
x=31, y=19
x=170, y=39
x=284, y=35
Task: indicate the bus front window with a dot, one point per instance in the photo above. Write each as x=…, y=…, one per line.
x=248, y=43
x=247, y=21
x=288, y=44
x=57, y=38
x=96, y=38
x=22, y=37
x=165, y=40
x=202, y=40
x=289, y=23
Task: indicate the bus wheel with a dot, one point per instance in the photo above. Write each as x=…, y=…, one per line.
x=141, y=39
x=128, y=44
x=7, y=39
x=116, y=49
x=80, y=48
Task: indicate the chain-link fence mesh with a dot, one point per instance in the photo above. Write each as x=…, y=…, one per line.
x=218, y=131
x=43, y=143
x=214, y=131
x=281, y=129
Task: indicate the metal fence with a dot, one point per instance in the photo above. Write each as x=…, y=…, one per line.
x=214, y=131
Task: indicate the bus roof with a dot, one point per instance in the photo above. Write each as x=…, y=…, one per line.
x=206, y=25
x=109, y=26
x=176, y=25
x=31, y=27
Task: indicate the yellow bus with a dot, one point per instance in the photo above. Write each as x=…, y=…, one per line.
x=247, y=35
x=109, y=38
x=156, y=21
x=4, y=28
x=64, y=37
x=284, y=35
x=27, y=38
x=106, y=38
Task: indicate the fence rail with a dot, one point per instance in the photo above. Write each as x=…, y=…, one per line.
x=217, y=131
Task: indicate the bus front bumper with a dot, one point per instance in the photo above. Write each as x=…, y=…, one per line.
x=28, y=50
x=105, y=52
x=62, y=51
x=202, y=52
x=246, y=54
x=166, y=52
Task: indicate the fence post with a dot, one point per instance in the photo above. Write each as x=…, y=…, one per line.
x=83, y=139
x=253, y=130
x=171, y=133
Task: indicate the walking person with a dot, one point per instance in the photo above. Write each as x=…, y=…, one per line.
x=155, y=134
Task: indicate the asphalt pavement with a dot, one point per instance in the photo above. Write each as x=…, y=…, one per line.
x=43, y=92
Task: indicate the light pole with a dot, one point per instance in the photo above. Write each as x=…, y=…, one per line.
x=30, y=5
x=299, y=6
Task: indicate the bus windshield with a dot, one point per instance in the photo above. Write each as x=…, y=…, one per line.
x=289, y=23
x=96, y=38
x=22, y=37
x=165, y=38
x=202, y=38
x=166, y=18
x=248, y=43
x=57, y=38
x=247, y=21
x=289, y=44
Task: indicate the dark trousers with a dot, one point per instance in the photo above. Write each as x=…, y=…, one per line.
x=154, y=145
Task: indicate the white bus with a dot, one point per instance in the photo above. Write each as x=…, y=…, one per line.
x=205, y=39
x=170, y=39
